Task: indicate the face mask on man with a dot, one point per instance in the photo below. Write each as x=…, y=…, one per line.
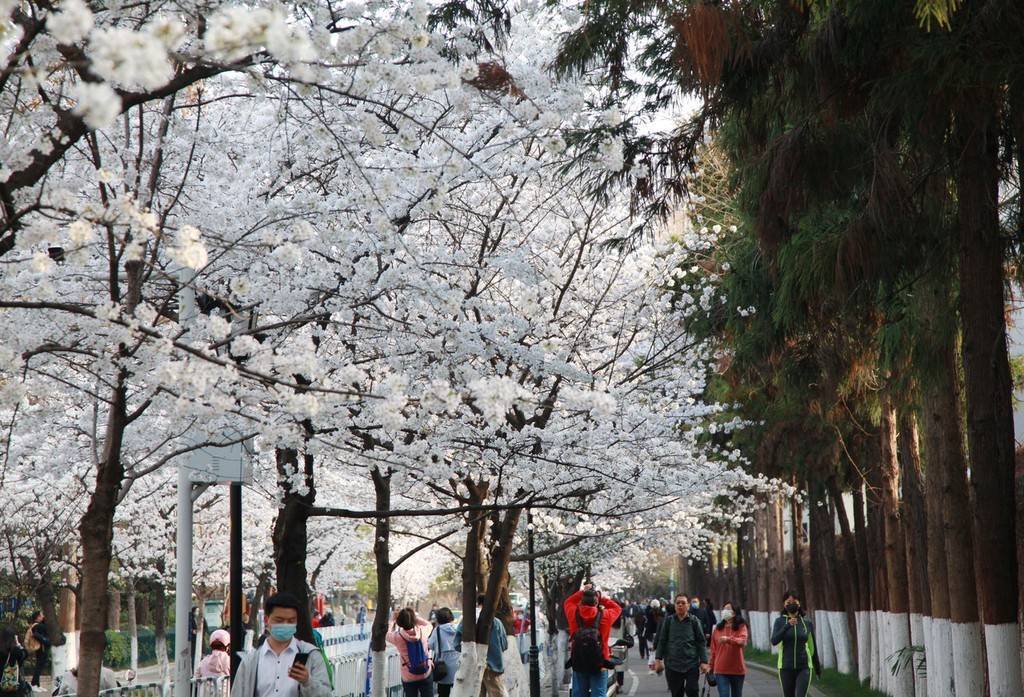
x=792, y=608
x=695, y=604
x=283, y=632
x=727, y=615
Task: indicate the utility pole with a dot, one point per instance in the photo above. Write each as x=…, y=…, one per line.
x=534, y=651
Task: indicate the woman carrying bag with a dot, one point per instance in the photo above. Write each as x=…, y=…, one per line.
x=793, y=633
x=12, y=660
x=446, y=658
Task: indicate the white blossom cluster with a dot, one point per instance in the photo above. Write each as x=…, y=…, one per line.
x=391, y=271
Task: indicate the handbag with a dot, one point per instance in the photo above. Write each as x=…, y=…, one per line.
x=10, y=677
x=440, y=667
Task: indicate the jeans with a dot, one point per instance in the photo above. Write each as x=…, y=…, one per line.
x=589, y=684
x=680, y=684
x=730, y=685
x=642, y=641
x=419, y=688
x=794, y=682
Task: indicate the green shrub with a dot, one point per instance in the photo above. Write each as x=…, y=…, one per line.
x=117, y=653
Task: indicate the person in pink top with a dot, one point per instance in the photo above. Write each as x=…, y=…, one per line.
x=410, y=634
x=218, y=663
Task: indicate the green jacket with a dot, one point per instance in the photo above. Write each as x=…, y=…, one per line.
x=681, y=644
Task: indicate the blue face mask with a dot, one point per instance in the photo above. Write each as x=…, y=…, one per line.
x=282, y=632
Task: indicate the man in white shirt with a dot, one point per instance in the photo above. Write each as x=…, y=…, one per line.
x=272, y=670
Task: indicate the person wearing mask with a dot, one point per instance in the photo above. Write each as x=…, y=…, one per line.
x=37, y=640
x=728, y=640
x=218, y=663
x=282, y=666
x=497, y=643
x=410, y=635
x=793, y=633
x=442, y=648
x=590, y=616
x=707, y=618
x=12, y=656
x=681, y=650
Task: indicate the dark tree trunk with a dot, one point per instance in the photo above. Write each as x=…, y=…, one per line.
x=863, y=549
x=798, y=547
x=381, y=556
x=915, y=520
x=97, y=532
x=987, y=381
x=142, y=610
x=290, y=535
x=895, y=544
x=114, y=610
x=477, y=493
x=501, y=555
x=741, y=576
x=852, y=572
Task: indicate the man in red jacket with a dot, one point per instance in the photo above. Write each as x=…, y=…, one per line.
x=590, y=616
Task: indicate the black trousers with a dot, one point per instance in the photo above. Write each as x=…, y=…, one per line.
x=642, y=641
x=443, y=690
x=40, y=665
x=794, y=682
x=419, y=688
x=683, y=684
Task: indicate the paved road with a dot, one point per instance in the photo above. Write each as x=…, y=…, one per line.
x=640, y=683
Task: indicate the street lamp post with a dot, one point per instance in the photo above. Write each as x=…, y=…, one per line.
x=534, y=651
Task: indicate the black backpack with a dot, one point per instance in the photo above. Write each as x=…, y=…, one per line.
x=587, y=653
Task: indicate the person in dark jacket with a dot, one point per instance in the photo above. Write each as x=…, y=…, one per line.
x=38, y=628
x=793, y=633
x=640, y=627
x=706, y=617
x=655, y=616
x=12, y=657
x=681, y=650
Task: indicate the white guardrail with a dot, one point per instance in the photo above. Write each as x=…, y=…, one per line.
x=347, y=648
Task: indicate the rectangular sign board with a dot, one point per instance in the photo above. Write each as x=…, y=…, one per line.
x=224, y=464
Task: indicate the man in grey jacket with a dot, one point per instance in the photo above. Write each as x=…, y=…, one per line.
x=283, y=666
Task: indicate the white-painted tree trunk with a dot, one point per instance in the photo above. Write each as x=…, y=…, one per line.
x=772, y=616
x=940, y=660
x=842, y=641
x=901, y=684
x=517, y=681
x=162, y=659
x=758, y=635
x=919, y=637
x=968, y=659
x=561, y=656
x=863, y=645
x=379, y=673
x=876, y=649
x=823, y=633
x=1002, y=645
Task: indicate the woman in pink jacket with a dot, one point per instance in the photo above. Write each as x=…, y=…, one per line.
x=219, y=661
x=410, y=634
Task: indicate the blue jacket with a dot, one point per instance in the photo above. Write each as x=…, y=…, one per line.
x=442, y=646
x=496, y=645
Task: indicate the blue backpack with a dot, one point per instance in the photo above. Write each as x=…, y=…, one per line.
x=419, y=662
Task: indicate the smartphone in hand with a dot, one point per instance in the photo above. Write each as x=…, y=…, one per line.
x=301, y=658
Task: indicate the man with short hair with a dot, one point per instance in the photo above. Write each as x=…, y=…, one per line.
x=283, y=666
x=497, y=642
x=681, y=650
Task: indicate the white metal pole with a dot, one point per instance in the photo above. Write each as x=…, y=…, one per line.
x=183, y=583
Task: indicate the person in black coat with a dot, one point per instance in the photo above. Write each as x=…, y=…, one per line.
x=42, y=653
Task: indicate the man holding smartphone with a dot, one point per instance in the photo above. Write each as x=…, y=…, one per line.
x=283, y=666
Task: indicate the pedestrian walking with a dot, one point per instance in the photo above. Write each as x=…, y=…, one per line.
x=410, y=635
x=728, y=640
x=13, y=655
x=218, y=662
x=681, y=650
x=282, y=666
x=590, y=616
x=706, y=617
x=794, y=634
x=37, y=641
x=442, y=648
x=497, y=643
x=655, y=616
x=639, y=630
